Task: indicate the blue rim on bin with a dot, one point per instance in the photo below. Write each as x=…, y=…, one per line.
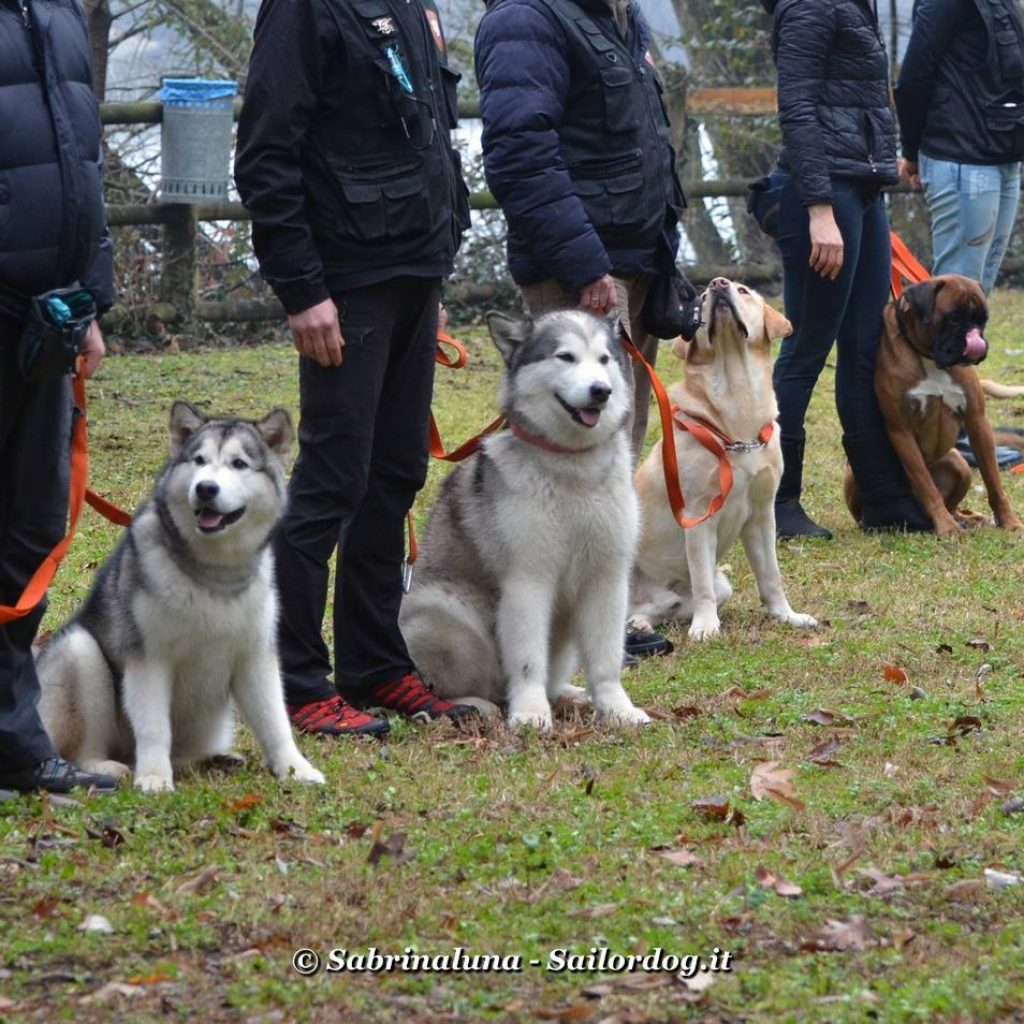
x=197, y=93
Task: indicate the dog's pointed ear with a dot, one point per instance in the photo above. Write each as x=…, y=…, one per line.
x=775, y=324
x=921, y=299
x=508, y=333
x=276, y=429
x=186, y=419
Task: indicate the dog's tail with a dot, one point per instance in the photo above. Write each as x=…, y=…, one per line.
x=994, y=389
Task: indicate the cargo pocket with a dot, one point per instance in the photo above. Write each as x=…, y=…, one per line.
x=625, y=195
x=450, y=83
x=1005, y=121
x=619, y=115
x=595, y=201
x=1009, y=56
x=378, y=211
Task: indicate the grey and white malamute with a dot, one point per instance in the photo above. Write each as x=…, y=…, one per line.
x=524, y=568
x=181, y=620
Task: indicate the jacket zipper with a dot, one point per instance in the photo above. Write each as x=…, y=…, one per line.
x=25, y=15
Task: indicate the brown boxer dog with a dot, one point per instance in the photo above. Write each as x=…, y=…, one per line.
x=928, y=389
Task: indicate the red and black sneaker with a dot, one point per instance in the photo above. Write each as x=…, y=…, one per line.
x=334, y=716
x=411, y=697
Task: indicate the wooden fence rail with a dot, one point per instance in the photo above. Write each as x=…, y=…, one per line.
x=178, y=302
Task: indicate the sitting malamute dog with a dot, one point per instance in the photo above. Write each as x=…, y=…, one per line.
x=181, y=620
x=524, y=567
x=727, y=387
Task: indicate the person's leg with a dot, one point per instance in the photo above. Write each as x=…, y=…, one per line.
x=631, y=290
x=887, y=501
x=815, y=307
x=35, y=434
x=545, y=297
x=338, y=411
x=963, y=200
x=372, y=663
x=1009, y=197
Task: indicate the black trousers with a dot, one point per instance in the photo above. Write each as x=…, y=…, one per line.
x=363, y=455
x=35, y=437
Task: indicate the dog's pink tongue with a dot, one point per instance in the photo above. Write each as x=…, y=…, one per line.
x=975, y=346
x=209, y=520
x=589, y=417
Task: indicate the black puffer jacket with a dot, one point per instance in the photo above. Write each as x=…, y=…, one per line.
x=52, y=224
x=833, y=94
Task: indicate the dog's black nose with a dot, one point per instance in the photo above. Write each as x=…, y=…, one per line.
x=600, y=392
x=207, y=490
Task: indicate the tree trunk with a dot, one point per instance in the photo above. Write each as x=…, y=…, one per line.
x=98, y=18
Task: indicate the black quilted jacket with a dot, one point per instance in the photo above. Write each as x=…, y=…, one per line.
x=833, y=94
x=52, y=224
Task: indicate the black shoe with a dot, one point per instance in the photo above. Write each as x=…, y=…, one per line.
x=642, y=644
x=790, y=518
x=792, y=521
x=56, y=775
x=886, y=499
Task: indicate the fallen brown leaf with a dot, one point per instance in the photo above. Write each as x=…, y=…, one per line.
x=682, y=858
x=822, y=716
x=198, y=883
x=965, y=889
x=895, y=674
x=979, y=645
x=768, y=780
x=883, y=884
x=840, y=936
x=246, y=802
x=715, y=807
x=393, y=847
x=965, y=724
x=770, y=880
x=824, y=753
x=998, y=787
x=566, y=1015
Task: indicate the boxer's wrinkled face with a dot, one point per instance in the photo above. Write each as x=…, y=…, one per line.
x=951, y=315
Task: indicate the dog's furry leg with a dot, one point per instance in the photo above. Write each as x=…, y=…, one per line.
x=147, y=702
x=564, y=659
x=258, y=691
x=758, y=537
x=601, y=612
x=701, y=543
x=523, y=622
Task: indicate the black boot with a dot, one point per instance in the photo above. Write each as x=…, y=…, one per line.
x=886, y=499
x=790, y=518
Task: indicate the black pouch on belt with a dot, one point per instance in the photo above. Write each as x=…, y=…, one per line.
x=53, y=333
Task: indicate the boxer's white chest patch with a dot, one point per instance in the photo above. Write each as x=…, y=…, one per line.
x=937, y=383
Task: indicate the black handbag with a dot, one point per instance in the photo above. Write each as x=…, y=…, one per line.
x=54, y=331
x=670, y=308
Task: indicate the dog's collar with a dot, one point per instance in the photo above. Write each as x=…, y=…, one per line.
x=901, y=326
x=726, y=443
x=541, y=442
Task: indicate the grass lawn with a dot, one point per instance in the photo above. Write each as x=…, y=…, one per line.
x=517, y=845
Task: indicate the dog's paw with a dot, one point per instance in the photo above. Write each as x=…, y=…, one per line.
x=704, y=629
x=302, y=771
x=536, y=718
x=154, y=783
x=799, y=620
x=626, y=716
x=571, y=695
x=113, y=768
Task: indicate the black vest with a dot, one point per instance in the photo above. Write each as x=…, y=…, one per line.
x=614, y=134
x=382, y=180
x=51, y=195
x=977, y=110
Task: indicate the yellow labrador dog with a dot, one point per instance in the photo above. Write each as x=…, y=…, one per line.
x=723, y=411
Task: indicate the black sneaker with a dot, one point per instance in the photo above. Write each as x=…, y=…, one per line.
x=56, y=775
x=642, y=644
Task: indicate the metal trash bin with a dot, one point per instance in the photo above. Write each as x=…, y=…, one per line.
x=195, y=139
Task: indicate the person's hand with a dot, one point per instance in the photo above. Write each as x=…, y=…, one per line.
x=908, y=172
x=317, y=333
x=826, y=241
x=599, y=296
x=92, y=350
x=442, y=318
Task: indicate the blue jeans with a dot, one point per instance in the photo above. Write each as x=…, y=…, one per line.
x=972, y=208
x=847, y=310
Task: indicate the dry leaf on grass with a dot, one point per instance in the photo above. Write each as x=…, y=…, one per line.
x=565, y=1015
x=840, y=936
x=895, y=674
x=767, y=779
x=998, y=787
x=859, y=607
x=823, y=716
x=966, y=889
x=883, y=884
x=964, y=725
x=198, y=883
x=716, y=808
x=770, y=880
x=112, y=990
x=824, y=753
x=245, y=803
x=393, y=847
x=979, y=645
x=682, y=858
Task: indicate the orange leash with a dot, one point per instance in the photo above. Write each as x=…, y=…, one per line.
x=905, y=265
x=35, y=589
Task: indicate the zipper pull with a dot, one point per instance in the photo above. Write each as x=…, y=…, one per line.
x=24, y=13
